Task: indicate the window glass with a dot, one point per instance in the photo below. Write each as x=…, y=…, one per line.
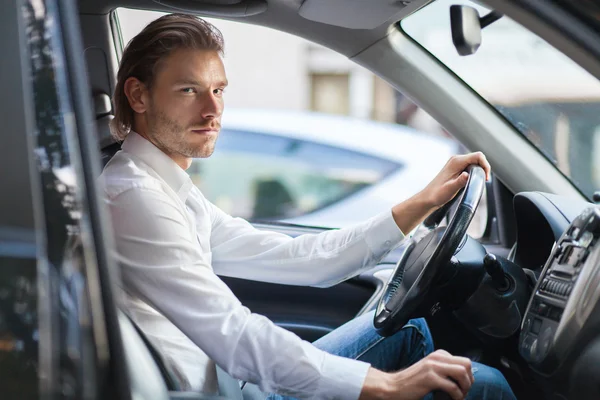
x=549, y=99
x=263, y=177
x=324, y=142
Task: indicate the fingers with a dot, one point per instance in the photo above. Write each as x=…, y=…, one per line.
x=443, y=355
x=452, y=374
x=478, y=158
x=459, y=182
x=454, y=185
x=449, y=387
x=457, y=374
x=438, y=371
x=483, y=162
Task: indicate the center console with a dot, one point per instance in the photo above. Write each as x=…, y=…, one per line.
x=565, y=294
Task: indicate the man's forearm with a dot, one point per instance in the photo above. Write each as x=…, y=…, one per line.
x=376, y=386
x=412, y=212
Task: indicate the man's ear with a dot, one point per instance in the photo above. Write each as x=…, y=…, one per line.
x=137, y=94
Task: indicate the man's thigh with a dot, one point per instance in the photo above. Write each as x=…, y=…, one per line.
x=359, y=340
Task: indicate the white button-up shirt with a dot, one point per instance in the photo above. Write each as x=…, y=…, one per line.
x=172, y=242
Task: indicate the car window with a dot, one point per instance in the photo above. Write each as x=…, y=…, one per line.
x=547, y=97
x=314, y=145
x=261, y=176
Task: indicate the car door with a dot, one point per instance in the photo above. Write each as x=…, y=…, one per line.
x=61, y=334
x=59, y=326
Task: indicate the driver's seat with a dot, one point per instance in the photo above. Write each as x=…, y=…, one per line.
x=107, y=143
x=229, y=387
x=109, y=151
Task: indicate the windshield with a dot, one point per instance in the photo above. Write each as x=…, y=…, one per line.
x=547, y=97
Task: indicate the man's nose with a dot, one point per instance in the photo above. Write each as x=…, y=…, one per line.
x=212, y=106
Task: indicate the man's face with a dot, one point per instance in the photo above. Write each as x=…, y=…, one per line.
x=183, y=117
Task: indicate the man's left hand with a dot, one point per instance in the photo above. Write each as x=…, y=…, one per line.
x=438, y=192
x=452, y=178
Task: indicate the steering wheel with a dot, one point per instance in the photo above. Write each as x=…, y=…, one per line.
x=425, y=258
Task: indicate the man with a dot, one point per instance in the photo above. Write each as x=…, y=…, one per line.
x=171, y=241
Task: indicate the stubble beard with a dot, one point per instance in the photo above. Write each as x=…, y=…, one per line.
x=170, y=137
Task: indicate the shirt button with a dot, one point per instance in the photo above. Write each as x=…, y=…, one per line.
x=387, y=243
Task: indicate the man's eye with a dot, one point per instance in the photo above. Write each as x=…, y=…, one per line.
x=188, y=90
x=219, y=91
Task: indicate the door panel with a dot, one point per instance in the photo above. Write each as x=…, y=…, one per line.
x=307, y=311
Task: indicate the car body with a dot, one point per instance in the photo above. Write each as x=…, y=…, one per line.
x=63, y=334
x=322, y=170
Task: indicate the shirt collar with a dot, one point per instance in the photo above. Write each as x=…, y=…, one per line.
x=161, y=163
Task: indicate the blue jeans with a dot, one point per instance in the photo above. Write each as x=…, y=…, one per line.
x=358, y=339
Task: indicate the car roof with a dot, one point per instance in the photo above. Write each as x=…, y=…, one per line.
x=389, y=140
x=350, y=26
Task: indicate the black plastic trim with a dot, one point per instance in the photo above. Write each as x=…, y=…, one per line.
x=505, y=213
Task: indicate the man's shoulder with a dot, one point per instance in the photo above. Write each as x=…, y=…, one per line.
x=124, y=172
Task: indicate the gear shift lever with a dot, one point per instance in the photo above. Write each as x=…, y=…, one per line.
x=495, y=270
x=497, y=307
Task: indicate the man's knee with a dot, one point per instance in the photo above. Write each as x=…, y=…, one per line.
x=489, y=384
x=422, y=333
x=420, y=325
x=483, y=373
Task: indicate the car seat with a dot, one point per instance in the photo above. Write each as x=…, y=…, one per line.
x=103, y=109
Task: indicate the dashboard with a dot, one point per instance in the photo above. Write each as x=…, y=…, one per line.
x=541, y=219
x=560, y=332
x=565, y=294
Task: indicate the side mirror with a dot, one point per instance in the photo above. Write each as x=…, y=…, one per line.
x=466, y=27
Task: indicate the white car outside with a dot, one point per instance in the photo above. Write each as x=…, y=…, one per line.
x=331, y=171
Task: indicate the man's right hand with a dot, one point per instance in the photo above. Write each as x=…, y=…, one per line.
x=438, y=371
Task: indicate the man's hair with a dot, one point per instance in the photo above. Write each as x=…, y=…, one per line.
x=144, y=53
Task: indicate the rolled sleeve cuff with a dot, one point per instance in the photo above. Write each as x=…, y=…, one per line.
x=382, y=234
x=342, y=378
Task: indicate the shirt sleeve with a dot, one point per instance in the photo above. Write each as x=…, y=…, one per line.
x=162, y=264
x=321, y=260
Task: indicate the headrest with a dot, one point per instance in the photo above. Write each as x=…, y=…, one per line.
x=102, y=104
x=103, y=108
x=105, y=138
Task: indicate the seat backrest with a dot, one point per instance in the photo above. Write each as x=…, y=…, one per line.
x=228, y=386
x=144, y=376
x=145, y=367
x=168, y=376
x=103, y=109
x=109, y=151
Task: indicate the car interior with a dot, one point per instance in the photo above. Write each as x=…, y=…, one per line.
x=524, y=298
